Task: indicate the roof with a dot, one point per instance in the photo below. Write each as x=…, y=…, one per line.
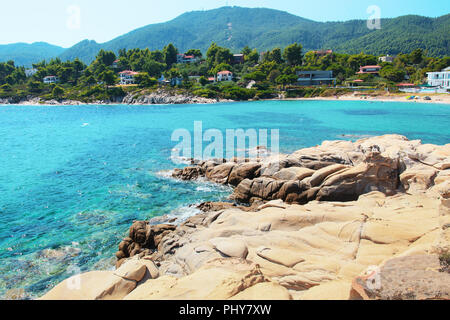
x=211, y=79
x=189, y=57
x=238, y=55
x=224, y=72
x=446, y=69
x=132, y=73
x=323, y=51
x=358, y=80
x=371, y=67
x=49, y=77
x=405, y=85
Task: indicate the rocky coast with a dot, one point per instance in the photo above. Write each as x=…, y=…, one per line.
x=156, y=97
x=343, y=220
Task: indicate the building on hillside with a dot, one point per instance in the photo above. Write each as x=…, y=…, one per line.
x=440, y=79
x=176, y=81
x=322, y=53
x=182, y=58
x=387, y=58
x=115, y=64
x=127, y=77
x=224, y=76
x=51, y=79
x=212, y=79
x=315, y=78
x=30, y=72
x=238, y=58
x=369, y=70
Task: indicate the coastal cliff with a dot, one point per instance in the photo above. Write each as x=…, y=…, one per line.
x=157, y=97
x=344, y=220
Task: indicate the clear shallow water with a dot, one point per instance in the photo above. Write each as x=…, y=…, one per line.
x=73, y=178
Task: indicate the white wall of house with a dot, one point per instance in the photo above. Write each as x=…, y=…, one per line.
x=225, y=76
x=50, y=79
x=439, y=79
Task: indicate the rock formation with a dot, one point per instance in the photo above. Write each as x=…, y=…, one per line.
x=345, y=220
x=334, y=171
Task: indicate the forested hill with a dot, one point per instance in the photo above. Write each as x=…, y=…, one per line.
x=237, y=27
x=25, y=54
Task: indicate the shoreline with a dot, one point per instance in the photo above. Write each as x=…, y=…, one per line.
x=182, y=99
x=303, y=235
x=435, y=98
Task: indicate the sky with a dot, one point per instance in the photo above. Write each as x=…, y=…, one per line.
x=67, y=22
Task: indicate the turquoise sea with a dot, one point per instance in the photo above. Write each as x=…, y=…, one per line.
x=73, y=178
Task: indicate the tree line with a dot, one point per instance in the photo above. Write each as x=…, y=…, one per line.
x=269, y=72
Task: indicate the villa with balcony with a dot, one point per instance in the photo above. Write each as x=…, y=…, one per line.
x=127, y=77
x=182, y=58
x=315, y=78
x=224, y=76
x=51, y=79
x=369, y=70
x=440, y=79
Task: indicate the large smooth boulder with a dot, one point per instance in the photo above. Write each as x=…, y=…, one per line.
x=95, y=285
x=143, y=239
x=415, y=277
x=131, y=270
x=320, y=175
x=219, y=279
x=293, y=173
x=418, y=178
x=243, y=171
x=188, y=173
x=230, y=247
x=220, y=173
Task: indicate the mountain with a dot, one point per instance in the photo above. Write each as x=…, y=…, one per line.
x=26, y=54
x=264, y=29
x=236, y=27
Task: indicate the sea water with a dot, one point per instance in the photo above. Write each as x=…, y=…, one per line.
x=73, y=178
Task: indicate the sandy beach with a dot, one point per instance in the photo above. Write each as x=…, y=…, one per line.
x=398, y=97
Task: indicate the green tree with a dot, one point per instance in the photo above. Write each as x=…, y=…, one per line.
x=194, y=52
x=246, y=51
x=252, y=57
x=203, y=81
x=144, y=80
x=153, y=68
x=108, y=77
x=293, y=54
x=221, y=67
x=256, y=76
x=392, y=74
x=57, y=92
x=106, y=57
x=417, y=56
x=286, y=79
x=170, y=54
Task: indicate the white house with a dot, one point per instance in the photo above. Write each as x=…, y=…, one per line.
x=440, y=79
x=51, y=79
x=127, y=77
x=369, y=70
x=387, y=58
x=225, y=76
x=182, y=58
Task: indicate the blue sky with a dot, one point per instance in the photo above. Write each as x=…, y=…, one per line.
x=66, y=22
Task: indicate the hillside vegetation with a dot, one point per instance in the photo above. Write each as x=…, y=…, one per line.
x=265, y=29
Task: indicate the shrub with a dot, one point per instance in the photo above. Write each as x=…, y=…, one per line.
x=205, y=93
x=237, y=93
